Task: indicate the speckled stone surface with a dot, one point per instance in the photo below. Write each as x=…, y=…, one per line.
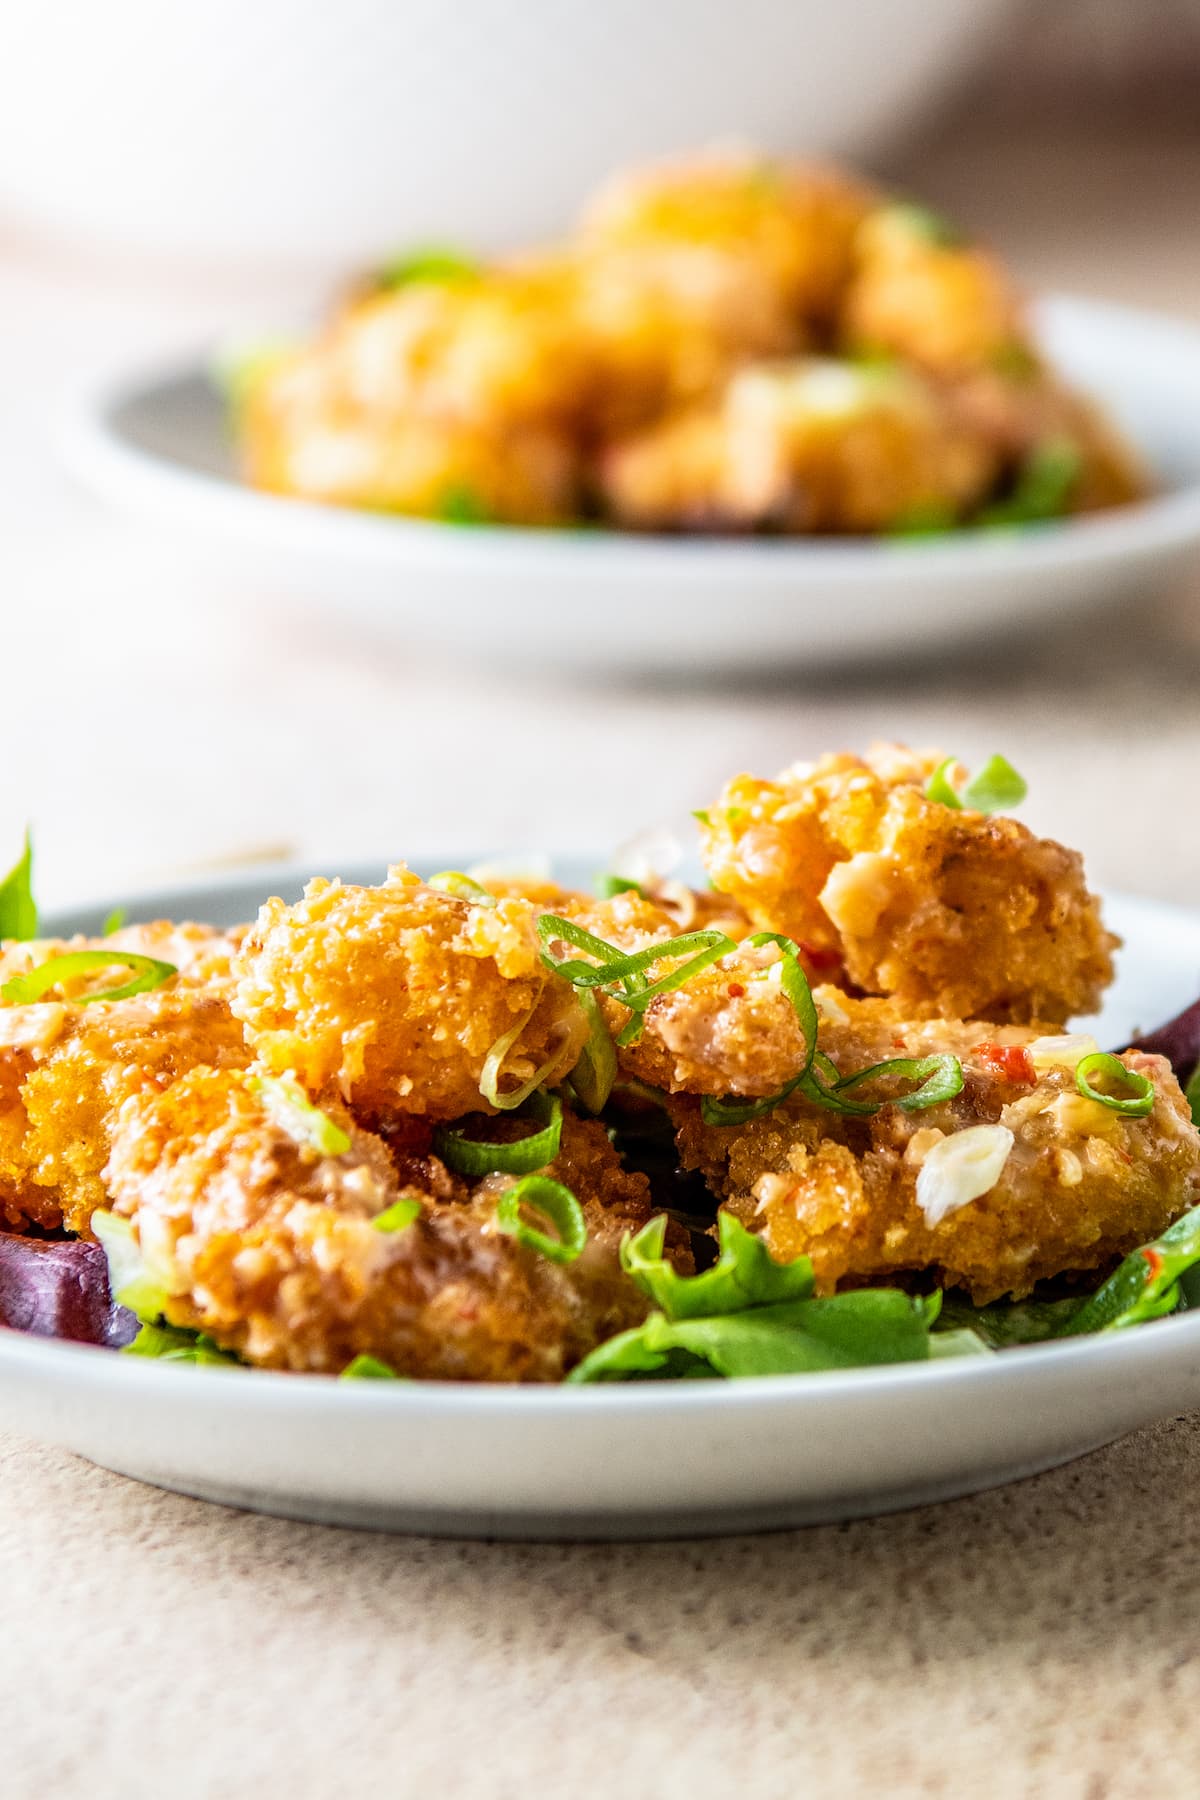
x=1040, y=1640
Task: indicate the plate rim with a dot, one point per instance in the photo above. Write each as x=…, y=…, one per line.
x=94, y=449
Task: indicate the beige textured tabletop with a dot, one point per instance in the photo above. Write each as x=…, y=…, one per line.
x=1039, y=1640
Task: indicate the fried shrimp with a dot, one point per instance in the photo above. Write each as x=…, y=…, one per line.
x=919, y=292
x=277, y=1251
x=952, y=912
x=1016, y=1179
x=728, y=1029
x=396, y=996
x=67, y=1064
x=810, y=445
x=794, y=223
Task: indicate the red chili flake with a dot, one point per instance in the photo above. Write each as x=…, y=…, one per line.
x=1154, y=1261
x=735, y=990
x=1011, y=1062
x=817, y=957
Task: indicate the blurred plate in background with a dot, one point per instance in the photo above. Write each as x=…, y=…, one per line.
x=158, y=445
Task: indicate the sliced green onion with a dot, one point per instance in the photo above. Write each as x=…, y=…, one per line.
x=398, y=1216
x=931, y=518
x=1043, y=486
x=149, y=973
x=1101, y=1062
x=289, y=1107
x=595, y=1072
x=1191, y=1094
x=114, y=921
x=368, y=1368
x=557, y=1204
x=922, y=222
x=429, y=262
x=609, y=886
x=579, y=974
x=996, y=788
x=623, y=973
x=475, y=1156
x=462, y=505
x=18, y=910
x=132, y=1281
x=463, y=887
x=941, y=1077
x=489, y=1078
x=704, y=816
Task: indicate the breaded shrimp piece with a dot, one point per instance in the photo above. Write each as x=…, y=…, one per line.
x=812, y=445
x=919, y=292
x=300, y=435
x=954, y=913
x=394, y=996
x=666, y=324
x=1017, y=1179
x=729, y=1029
x=272, y=1248
x=66, y=1066
x=795, y=223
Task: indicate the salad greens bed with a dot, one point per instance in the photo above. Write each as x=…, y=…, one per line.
x=743, y=1315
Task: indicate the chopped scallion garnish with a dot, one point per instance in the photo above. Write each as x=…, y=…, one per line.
x=996, y=788
x=609, y=886
x=463, y=887
x=1043, y=486
x=18, y=910
x=429, y=262
x=623, y=974
x=941, y=1078
x=289, y=1107
x=475, y=1156
x=398, y=1216
x=594, y=1073
x=368, y=1368
x=114, y=922
x=489, y=1078
x=1111, y=1068
x=557, y=1205
x=148, y=973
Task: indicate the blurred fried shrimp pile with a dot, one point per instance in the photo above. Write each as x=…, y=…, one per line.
x=400, y=1122
x=727, y=343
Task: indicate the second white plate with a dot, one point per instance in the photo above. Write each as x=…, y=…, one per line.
x=595, y=600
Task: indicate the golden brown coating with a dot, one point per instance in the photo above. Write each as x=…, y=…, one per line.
x=67, y=1067
x=812, y=445
x=1073, y=1184
x=919, y=292
x=272, y=1248
x=730, y=1029
x=394, y=996
x=952, y=912
x=795, y=223
x=665, y=325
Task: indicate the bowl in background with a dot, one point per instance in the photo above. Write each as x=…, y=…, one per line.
x=326, y=134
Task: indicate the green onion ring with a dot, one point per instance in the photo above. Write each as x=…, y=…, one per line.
x=22, y=990
x=288, y=1106
x=941, y=1077
x=453, y=881
x=1102, y=1062
x=474, y=1156
x=558, y=1204
x=489, y=1077
x=399, y=1215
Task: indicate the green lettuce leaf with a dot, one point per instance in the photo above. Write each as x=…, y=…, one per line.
x=745, y=1274
x=1007, y=1322
x=1147, y=1284
x=790, y=1337
x=170, y=1344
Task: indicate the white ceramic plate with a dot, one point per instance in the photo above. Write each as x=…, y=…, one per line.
x=622, y=1461
x=158, y=445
